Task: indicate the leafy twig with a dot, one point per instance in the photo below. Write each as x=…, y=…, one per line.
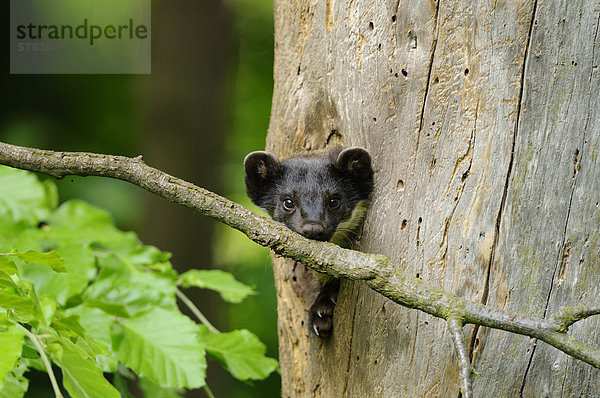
x=35, y=340
x=192, y=307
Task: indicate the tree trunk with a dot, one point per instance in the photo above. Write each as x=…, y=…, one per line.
x=483, y=120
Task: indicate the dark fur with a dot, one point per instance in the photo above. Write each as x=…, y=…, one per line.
x=312, y=195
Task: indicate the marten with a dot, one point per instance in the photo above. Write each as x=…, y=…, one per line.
x=322, y=197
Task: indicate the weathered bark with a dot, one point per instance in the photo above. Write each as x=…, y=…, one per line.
x=484, y=125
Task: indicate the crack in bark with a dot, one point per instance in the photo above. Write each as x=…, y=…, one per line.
x=414, y=345
x=434, y=46
x=562, y=257
x=562, y=386
x=519, y=107
x=527, y=369
x=486, y=288
x=347, y=379
x=594, y=51
x=561, y=260
x=396, y=7
x=468, y=154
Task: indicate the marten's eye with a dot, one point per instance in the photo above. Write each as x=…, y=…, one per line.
x=288, y=204
x=334, y=203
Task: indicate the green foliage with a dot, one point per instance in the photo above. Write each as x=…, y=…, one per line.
x=15, y=384
x=11, y=344
x=162, y=345
x=22, y=197
x=231, y=290
x=81, y=375
x=94, y=299
x=51, y=259
x=241, y=352
x=152, y=390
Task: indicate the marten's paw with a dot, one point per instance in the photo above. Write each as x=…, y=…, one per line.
x=320, y=315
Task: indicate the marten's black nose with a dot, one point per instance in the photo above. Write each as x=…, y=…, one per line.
x=313, y=231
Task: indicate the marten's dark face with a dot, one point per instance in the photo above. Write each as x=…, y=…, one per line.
x=310, y=195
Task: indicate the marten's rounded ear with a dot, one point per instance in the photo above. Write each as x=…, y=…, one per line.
x=261, y=168
x=260, y=165
x=356, y=161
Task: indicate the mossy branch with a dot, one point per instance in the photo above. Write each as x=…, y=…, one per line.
x=379, y=272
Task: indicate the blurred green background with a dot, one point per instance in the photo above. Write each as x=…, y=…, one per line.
x=203, y=108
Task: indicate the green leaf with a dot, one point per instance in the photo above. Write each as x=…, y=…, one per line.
x=25, y=305
x=6, y=280
x=77, y=214
x=22, y=197
x=51, y=192
x=69, y=326
x=80, y=266
x=81, y=376
x=240, y=352
x=19, y=307
x=152, y=390
x=223, y=282
x=51, y=259
x=44, y=307
x=163, y=346
x=120, y=384
x=11, y=343
x=77, y=220
x=7, y=265
x=109, y=308
x=145, y=255
x=29, y=351
x=121, y=285
x=97, y=324
x=15, y=385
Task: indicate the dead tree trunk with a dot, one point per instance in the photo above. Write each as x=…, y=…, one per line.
x=483, y=119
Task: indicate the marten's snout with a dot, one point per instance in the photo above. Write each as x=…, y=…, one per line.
x=314, y=230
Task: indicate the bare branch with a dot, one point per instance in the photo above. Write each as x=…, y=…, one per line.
x=458, y=338
x=379, y=272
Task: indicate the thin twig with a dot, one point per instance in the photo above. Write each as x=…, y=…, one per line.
x=35, y=340
x=192, y=307
x=208, y=392
x=569, y=315
x=464, y=363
